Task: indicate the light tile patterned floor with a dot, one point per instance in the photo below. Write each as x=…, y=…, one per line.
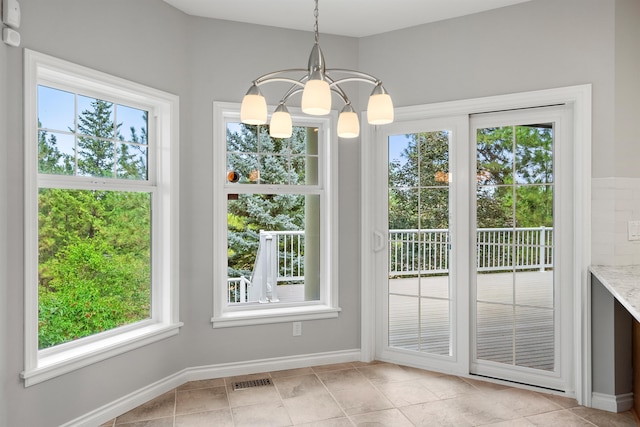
x=357, y=394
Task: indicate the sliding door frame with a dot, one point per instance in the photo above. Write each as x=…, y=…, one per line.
x=578, y=98
x=458, y=297
x=560, y=377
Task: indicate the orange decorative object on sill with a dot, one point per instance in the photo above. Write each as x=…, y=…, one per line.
x=442, y=176
x=233, y=176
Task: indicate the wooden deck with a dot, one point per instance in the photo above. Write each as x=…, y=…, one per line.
x=515, y=316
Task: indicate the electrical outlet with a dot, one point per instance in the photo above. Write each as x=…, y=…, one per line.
x=297, y=329
x=634, y=230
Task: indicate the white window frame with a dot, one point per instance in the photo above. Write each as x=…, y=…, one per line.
x=163, y=108
x=226, y=315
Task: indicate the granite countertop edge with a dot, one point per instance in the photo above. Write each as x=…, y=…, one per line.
x=623, y=281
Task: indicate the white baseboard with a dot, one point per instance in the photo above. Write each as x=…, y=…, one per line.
x=138, y=397
x=612, y=403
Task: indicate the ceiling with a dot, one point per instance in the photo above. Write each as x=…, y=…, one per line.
x=355, y=18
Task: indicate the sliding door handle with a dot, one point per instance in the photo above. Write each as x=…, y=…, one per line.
x=378, y=241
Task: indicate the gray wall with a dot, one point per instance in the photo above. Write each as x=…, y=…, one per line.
x=539, y=44
x=536, y=45
x=627, y=88
x=3, y=232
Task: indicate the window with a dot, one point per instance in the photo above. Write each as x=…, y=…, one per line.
x=101, y=205
x=275, y=222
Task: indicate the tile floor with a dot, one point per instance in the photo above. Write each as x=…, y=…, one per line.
x=357, y=394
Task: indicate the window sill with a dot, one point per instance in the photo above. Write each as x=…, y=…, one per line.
x=62, y=362
x=274, y=315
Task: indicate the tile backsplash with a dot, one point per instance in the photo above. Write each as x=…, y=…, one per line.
x=615, y=202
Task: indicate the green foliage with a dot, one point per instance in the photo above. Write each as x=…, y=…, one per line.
x=131, y=158
x=520, y=155
x=94, y=262
x=50, y=159
x=92, y=289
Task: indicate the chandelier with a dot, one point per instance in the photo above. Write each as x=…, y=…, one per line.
x=316, y=84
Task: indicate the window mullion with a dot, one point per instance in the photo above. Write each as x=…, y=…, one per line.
x=93, y=183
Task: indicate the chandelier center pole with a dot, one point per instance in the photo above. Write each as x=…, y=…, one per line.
x=315, y=26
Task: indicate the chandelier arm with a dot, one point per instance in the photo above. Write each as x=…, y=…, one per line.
x=338, y=90
x=333, y=85
x=352, y=79
x=294, y=90
x=280, y=79
x=364, y=76
x=271, y=76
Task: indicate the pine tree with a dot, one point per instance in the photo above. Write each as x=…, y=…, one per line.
x=96, y=152
x=50, y=159
x=132, y=157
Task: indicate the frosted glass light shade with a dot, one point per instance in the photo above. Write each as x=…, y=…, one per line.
x=316, y=98
x=253, y=110
x=281, y=125
x=348, y=125
x=380, y=109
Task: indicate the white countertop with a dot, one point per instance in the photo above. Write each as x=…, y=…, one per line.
x=623, y=281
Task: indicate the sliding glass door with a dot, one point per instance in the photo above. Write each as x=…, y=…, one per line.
x=419, y=284
x=518, y=285
x=474, y=262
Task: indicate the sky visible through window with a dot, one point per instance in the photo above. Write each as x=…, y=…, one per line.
x=56, y=111
x=397, y=145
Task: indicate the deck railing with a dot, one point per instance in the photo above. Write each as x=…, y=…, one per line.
x=290, y=246
x=413, y=251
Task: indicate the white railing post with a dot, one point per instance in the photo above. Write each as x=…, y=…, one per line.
x=543, y=248
x=243, y=289
x=264, y=279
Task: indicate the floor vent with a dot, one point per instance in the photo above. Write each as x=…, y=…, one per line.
x=241, y=385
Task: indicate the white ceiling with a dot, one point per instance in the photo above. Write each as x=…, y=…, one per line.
x=355, y=18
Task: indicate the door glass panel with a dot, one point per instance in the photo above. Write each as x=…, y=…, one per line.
x=434, y=242
x=434, y=326
x=495, y=332
x=404, y=329
x=495, y=252
x=534, y=337
x=419, y=242
x=495, y=156
x=515, y=306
